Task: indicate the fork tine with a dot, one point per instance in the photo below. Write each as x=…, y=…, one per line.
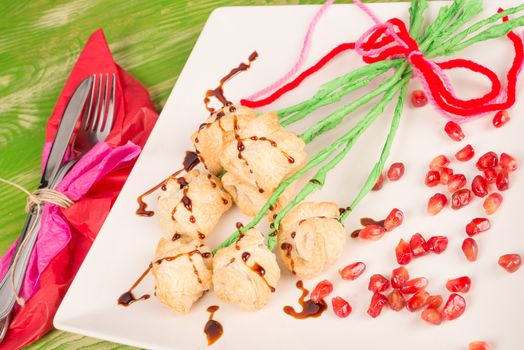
x=100, y=105
x=108, y=125
x=87, y=110
x=96, y=101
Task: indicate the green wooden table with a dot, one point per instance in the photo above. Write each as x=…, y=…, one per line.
x=39, y=43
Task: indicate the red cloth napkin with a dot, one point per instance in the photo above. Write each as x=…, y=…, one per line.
x=134, y=119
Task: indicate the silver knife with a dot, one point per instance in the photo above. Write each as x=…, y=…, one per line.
x=54, y=161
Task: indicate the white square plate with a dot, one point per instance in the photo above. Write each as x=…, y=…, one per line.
x=126, y=242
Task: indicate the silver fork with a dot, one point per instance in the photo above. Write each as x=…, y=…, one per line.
x=96, y=125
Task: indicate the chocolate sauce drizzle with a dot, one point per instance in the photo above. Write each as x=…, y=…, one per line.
x=366, y=222
x=258, y=269
x=310, y=309
x=218, y=92
x=288, y=248
x=213, y=329
x=190, y=161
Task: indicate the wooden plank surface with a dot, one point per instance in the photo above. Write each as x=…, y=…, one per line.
x=39, y=43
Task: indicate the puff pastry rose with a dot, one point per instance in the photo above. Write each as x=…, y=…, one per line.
x=217, y=131
x=192, y=205
x=182, y=271
x=310, y=238
x=258, y=160
x=246, y=273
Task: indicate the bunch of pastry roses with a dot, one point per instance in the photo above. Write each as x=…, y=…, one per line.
x=247, y=157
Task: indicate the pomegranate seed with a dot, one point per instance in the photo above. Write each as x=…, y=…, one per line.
x=396, y=300
x=502, y=180
x=465, y=154
x=418, y=245
x=507, y=162
x=403, y=252
x=460, y=285
x=432, y=316
x=378, y=283
x=322, y=290
x=501, y=118
x=477, y=225
x=479, y=186
x=432, y=178
x=490, y=175
x=379, y=184
x=454, y=307
x=437, y=244
x=414, y=285
x=341, y=308
x=487, y=161
x=372, y=232
x=510, y=262
x=478, y=345
x=456, y=182
x=352, y=271
x=418, y=98
x=377, y=303
x=418, y=300
x=492, y=203
x=461, y=198
x=439, y=162
x=399, y=277
x=470, y=249
x=436, y=203
x=454, y=131
x=434, y=302
x=445, y=174
x=394, y=219
x=395, y=172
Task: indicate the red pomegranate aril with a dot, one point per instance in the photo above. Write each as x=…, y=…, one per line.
x=436, y=203
x=352, y=271
x=414, y=285
x=502, y=180
x=394, y=219
x=461, y=198
x=507, y=162
x=510, y=262
x=432, y=178
x=487, y=161
x=456, y=182
x=454, y=131
x=377, y=303
x=454, y=307
x=372, y=232
x=432, y=316
x=470, y=249
x=403, y=252
x=399, y=277
x=445, y=174
x=492, y=203
x=396, y=300
x=465, y=154
x=490, y=175
x=379, y=183
x=479, y=186
x=418, y=98
x=459, y=285
x=478, y=345
x=477, y=226
x=395, y=171
x=378, y=283
x=434, y=302
x=341, y=307
x=501, y=118
x=438, y=162
x=322, y=290
x=418, y=245
x=437, y=244
x=417, y=301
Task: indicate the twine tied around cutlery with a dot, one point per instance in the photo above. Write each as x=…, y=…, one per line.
x=35, y=201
